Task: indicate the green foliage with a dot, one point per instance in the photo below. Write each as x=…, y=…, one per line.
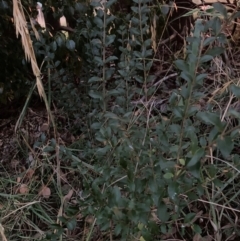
x=141, y=172
x=145, y=160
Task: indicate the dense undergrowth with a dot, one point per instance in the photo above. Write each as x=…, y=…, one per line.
x=149, y=158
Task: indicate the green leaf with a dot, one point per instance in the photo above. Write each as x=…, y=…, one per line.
x=108, y=74
x=200, y=78
x=162, y=212
x=166, y=164
x=197, y=229
x=208, y=41
x=147, y=43
x=98, y=60
x=186, y=76
x=128, y=115
x=164, y=8
x=234, y=113
x=203, y=142
x=192, y=196
x=216, y=25
x=184, y=92
x=135, y=21
x=48, y=149
x=225, y=145
x=59, y=41
x=103, y=151
x=111, y=115
x=193, y=58
x=134, y=9
x=109, y=39
x=175, y=128
x=109, y=3
x=117, y=194
x=235, y=15
x=147, y=53
x=96, y=42
x=139, y=78
x=98, y=21
x=53, y=46
x=4, y=5
x=79, y=7
x=196, y=157
x=210, y=118
x=110, y=19
x=70, y=45
x=189, y=218
x=212, y=170
x=57, y=63
x=235, y=90
x=181, y=65
x=215, y=51
x=178, y=111
x=96, y=126
x=192, y=110
x=221, y=9
x=123, y=163
x=199, y=27
x=110, y=59
x=123, y=73
x=168, y=175
x=149, y=64
x=206, y=58
x=137, y=54
x=118, y=229
x=94, y=79
x=71, y=225
x=182, y=162
x=144, y=9
x=173, y=190
x=195, y=170
x=95, y=95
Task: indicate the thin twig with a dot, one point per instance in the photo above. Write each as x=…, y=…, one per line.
x=165, y=78
x=219, y=205
x=167, y=40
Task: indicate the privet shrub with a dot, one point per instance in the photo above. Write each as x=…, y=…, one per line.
x=150, y=169
x=143, y=172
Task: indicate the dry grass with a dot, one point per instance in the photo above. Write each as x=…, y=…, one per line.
x=22, y=30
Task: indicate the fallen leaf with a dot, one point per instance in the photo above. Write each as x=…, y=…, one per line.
x=207, y=238
x=19, y=179
x=197, y=237
x=73, y=138
x=30, y=159
x=29, y=174
x=23, y=189
x=45, y=192
x=68, y=196
x=89, y=219
x=14, y=163
x=44, y=127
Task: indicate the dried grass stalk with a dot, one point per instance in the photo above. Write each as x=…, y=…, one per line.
x=21, y=28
